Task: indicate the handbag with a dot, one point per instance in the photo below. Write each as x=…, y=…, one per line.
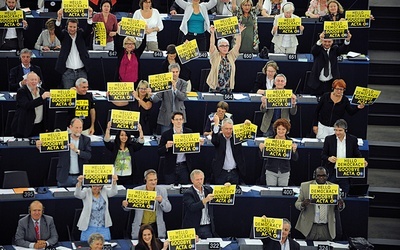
x=264, y=53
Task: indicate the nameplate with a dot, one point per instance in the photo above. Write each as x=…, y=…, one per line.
x=324, y=247
x=214, y=245
x=10, y=53
x=50, y=54
x=183, y=190
x=203, y=54
x=158, y=54
x=228, y=96
x=99, y=54
x=112, y=53
x=270, y=193
x=28, y=194
x=287, y=192
x=213, y=97
x=107, y=247
x=18, y=143
x=247, y=56
x=292, y=57
x=340, y=58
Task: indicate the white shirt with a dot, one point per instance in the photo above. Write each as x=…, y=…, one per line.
x=152, y=22
x=74, y=167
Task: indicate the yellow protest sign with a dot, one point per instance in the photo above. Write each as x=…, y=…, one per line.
x=94, y=174
x=160, y=82
x=82, y=108
x=276, y=148
x=243, y=132
x=75, y=8
x=186, y=143
x=183, y=239
x=124, y=120
x=335, y=29
x=365, y=96
x=141, y=199
x=278, y=98
x=11, y=19
x=226, y=26
x=358, y=18
x=264, y=227
x=324, y=194
x=62, y=98
x=132, y=27
x=289, y=26
x=224, y=195
x=100, y=34
x=120, y=91
x=54, y=142
x=350, y=167
x=188, y=51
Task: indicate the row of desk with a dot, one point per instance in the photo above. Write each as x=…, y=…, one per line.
x=230, y=221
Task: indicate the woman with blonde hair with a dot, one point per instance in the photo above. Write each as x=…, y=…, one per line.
x=143, y=104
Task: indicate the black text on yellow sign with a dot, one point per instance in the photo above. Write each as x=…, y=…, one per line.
x=358, y=18
x=186, y=143
x=188, y=51
x=124, y=120
x=62, y=98
x=279, y=98
x=183, y=239
x=243, y=132
x=100, y=34
x=276, y=148
x=350, y=167
x=226, y=26
x=224, y=195
x=160, y=82
x=289, y=26
x=267, y=227
x=75, y=8
x=54, y=142
x=97, y=174
x=335, y=29
x=141, y=199
x=120, y=91
x=324, y=194
x=365, y=96
x=82, y=108
x=11, y=19
x=132, y=27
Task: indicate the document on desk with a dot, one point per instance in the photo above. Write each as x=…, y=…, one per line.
x=258, y=188
x=239, y=96
x=253, y=242
x=220, y=240
x=302, y=243
x=332, y=244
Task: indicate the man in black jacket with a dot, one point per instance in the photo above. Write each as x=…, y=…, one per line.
x=12, y=38
x=17, y=77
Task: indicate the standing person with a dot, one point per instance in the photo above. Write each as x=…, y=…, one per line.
x=198, y=213
x=172, y=58
x=247, y=16
x=149, y=241
x=339, y=145
x=73, y=61
x=95, y=216
x=123, y=150
x=222, y=60
x=17, y=77
x=12, y=38
x=325, y=68
x=36, y=230
x=286, y=242
x=224, y=7
x=173, y=100
x=272, y=8
x=195, y=21
x=30, y=116
x=155, y=219
x=143, y=104
x=316, y=222
x=47, y=39
x=317, y=8
x=277, y=171
x=285, y=44
x=154, y=23
x=222, y=108
x=110, y=23
x=266, y=80
x=176, y=166
x=273, y=114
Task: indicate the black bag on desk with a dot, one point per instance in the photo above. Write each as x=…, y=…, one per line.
x=264, y=53
x=360, y=243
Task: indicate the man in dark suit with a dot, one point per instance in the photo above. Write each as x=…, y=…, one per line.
x=228, y=163
x=30, y=116
x=36, y=230
x=325, y=68
x=16, y=78
x=12, y=38
x=176, y=166
x=339, y=145
x=286, y=242
x=198, y=213
x=73, y=61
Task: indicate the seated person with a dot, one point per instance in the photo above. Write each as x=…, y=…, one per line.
x=36, y=230
x=148, y=240
x=285, y=243
x=222, y=108
x=47, y=40
x=96, y=241
x=266, y=80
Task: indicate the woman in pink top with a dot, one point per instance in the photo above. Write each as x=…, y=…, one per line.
x=110, y=22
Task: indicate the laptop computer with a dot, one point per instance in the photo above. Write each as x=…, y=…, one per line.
x=357, y=190
x=50, y=8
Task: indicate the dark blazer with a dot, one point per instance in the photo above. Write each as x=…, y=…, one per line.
x=20, y=33
x=269, y=244
x=24, y=117
x=261, y=82
x=17, y=73
x=65, y=158
x=329, y=17
x=319, y=61
x=193, y=207
x=330, y=148
x=218, y=140
x=170, y=158
x=66, y=44
x=26, y=231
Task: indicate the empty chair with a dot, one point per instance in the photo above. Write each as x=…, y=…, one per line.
x=15, y=179
x=203, y=86
x=10, y=117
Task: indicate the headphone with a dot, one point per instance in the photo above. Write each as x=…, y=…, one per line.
x=287, y=3
x=315, y=172
x=147, y=172
x=29, y=207
x=341, y=123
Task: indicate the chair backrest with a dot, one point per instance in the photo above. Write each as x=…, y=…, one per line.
x=61, y=120
x=128, y=225
x=15, y=179
x=74, y=234
x=203, y=86
x=257, y=119
x=52, y=173
x=160, y=170
x=10, y=117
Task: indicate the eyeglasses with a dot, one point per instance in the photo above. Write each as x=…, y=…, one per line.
x=129, y=43
x=321, y=175
x=340, y=89
x=224, y=46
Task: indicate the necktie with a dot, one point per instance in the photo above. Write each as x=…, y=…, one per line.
x=326, y=63
x=322, y=212
x=37, y=230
